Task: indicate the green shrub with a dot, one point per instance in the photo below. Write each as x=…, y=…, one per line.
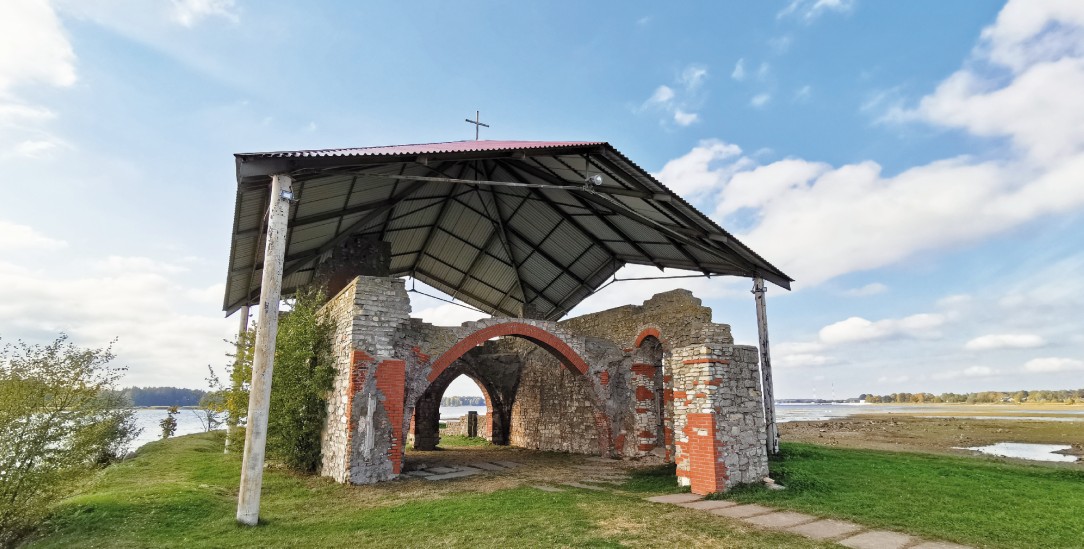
x=60, y=416
x=301, y=380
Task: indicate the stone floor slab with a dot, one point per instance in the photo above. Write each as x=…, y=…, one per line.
x=418, y=473
x=580, y=485
x=488, y=466
x=825, y=529
x=456, y=474
x=604, y=480
x=877, y=539
x=939, y=545
x=742, y=511
x=675, y=498
x=708, y=504
x=547, y=488
x=780, y=520
x=441, y=470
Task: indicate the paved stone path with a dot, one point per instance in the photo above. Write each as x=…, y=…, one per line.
x=448, y=472
x=847, y=534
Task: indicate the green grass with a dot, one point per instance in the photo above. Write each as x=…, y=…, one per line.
x=977, y=501
x=461, y=441
x=182, y=492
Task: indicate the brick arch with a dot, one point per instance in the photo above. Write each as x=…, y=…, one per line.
x=551, y=340
x=650, y=331
x=543, y=338
x=427, y=406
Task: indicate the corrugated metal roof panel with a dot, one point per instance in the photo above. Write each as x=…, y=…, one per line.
x=568, y=239
x=426, y=148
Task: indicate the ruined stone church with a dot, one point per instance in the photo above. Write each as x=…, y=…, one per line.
x=523, y=231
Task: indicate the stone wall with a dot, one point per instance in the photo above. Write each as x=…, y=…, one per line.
x=677, y=318
x=363, y=435
x=554, y=408
x=719, y=426
x=655, y=379
x=458, y=426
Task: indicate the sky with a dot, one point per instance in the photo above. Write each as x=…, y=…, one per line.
x=917, y=167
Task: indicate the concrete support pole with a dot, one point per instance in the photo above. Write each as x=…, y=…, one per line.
x=248, y=498
x=766, y=368
x=231, y=422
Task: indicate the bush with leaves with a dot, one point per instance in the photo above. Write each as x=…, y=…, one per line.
x=60, y=416
x=234, y=400
x=301, y=381
x=169, y=424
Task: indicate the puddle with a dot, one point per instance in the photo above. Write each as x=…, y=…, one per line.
x=1022, y=450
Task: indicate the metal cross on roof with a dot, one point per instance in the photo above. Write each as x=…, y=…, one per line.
x=477, y=124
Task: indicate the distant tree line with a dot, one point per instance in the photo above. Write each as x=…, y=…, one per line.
x=1064, y=396
x=163, y=396
x=463, y=401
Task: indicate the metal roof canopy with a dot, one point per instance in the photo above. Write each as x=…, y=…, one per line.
x=496, y=224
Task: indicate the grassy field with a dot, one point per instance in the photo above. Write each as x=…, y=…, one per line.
x=181, y=492
x=977, y=501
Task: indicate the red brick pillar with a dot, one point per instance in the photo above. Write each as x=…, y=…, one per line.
x=707, y=472
x=391, y=381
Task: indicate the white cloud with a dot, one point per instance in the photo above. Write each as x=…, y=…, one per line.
x=818, y=221
x=190, y=12
x=801, y=355
x=693, y=76
x=33, y=46
x=1053, y=364
x=1029, y=31
x=701, y=170
x=35, y=148
x=760, y=100
x=739, y=70
x=780, y=45
x=969, y=372
x=627, y=291
x=34, y=50
x=663, y=96
x=1039, y=109
x=682, y=118
x=1004, y=341
x=446, y=314
x=679, y=104
x=14, y=236
x=167, y=330
x=857, y=329
x=873, y=288
x=808, y=10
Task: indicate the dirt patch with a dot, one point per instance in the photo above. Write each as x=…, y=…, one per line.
x=933, y=435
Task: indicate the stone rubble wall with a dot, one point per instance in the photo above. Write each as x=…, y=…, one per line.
x=716, y=394
x=586, y=385
x=679, y=318
x=363, y=433
x=553, y=409
x=458, y=426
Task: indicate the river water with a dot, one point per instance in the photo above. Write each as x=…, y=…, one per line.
x=188, y=421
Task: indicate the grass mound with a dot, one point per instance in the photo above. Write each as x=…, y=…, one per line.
x=182, y=492
x=978, y=501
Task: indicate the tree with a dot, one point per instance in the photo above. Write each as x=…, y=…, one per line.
x=235, y=397
x=301, y=380
x=60, y=416
x=169, y=424
x=213, y=403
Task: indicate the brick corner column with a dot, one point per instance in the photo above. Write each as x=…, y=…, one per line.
x=707, y=471
x=391, y=381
